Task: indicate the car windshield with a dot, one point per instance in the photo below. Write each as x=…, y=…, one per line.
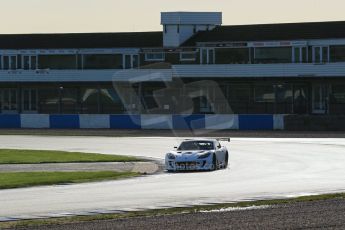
x=196, y=145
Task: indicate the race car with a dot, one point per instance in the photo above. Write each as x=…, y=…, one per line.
x=198, y=155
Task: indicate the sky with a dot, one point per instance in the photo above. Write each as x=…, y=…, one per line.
x=74, y=16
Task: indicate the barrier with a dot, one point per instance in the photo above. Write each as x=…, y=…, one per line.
x=156, y=121
x=64, y=121
x=255, y=122
x=35, y=121
x=125, y=122
x=147, y=121
x=94, y=121
x=188, y=121
x=10, y=121
x=220, y=122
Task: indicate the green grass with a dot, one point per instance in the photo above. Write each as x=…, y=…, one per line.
x=9, y=156
x=160, y=212
x=26, y=179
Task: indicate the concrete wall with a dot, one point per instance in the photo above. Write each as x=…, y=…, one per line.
x=195, y=121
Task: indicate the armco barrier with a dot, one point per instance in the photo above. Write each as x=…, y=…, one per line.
x=278, y=122
x=125, y=121
x=188, y=121
x=10, y=121
x=220, y=121
x=64, y=122
x=150, y=121
x=255, y=122
x=35, y=121
x=94, y=121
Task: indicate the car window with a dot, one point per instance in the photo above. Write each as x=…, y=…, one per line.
x=196, y=145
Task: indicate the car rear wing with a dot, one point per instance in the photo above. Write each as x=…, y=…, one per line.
x=223, y=139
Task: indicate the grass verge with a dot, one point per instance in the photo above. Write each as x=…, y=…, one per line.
x=14, y=156
x=160, y=212
x=26, y=179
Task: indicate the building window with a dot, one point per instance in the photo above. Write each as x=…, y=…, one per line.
x=9, y=62
x=89, y=100
x=57, y=62
x=9, y=98
x=338, y=94
x=187, y=56
x=29, y=100
x=110, y=102
x=49, y=100
x=232, y=56
x=264, y=93
x=103, y=61
x=273, y=55
x=337, y=53
x=69, y=100
x=154, y=56
x=207, y=56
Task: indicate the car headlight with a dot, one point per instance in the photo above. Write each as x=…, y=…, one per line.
x=203, y=156
x=171, y=156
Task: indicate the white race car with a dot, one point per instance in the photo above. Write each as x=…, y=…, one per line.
x=198, y=155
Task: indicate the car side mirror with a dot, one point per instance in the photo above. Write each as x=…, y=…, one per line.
x=175, y=147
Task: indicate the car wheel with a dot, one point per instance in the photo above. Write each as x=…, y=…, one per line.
x=226, y=163
x=214, y=162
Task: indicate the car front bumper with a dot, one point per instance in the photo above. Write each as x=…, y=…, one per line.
x=191, y=165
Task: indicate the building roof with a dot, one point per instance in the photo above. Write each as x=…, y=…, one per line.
x=81, y=40
x=269, y=32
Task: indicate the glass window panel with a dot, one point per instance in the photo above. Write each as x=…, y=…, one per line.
x=89, y=100
x=48, y=100
x=5, y=99
x=33, y=99
x=317, y=54
x=103, y=61
x=337, y=53
x=128, y=63
x=6, y=64
x=13, y=63
x=57, y=61
x=69, y=100
x=324, y=54
x=26, y=100
x=188, y=56
x=284, y=93
x=232, y=56
x=210, y=56
x=297, y=55
x=338, y=93
x=264, y=93
x=204, y=56
x=155, y=57
x=304, y=55
x=300, y=98
x=273, y=55
x=33, y=62
x=110, y=102
x=19, y=62
x=26, y=64
x=135, y=61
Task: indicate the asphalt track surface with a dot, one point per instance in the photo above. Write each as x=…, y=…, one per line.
x=259, y=169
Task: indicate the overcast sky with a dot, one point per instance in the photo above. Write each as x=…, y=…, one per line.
x=58, y=16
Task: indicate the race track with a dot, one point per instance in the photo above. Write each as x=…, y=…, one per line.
x=259, y=169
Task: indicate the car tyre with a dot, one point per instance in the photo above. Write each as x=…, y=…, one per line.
x=214, y=162
x=226, y=163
